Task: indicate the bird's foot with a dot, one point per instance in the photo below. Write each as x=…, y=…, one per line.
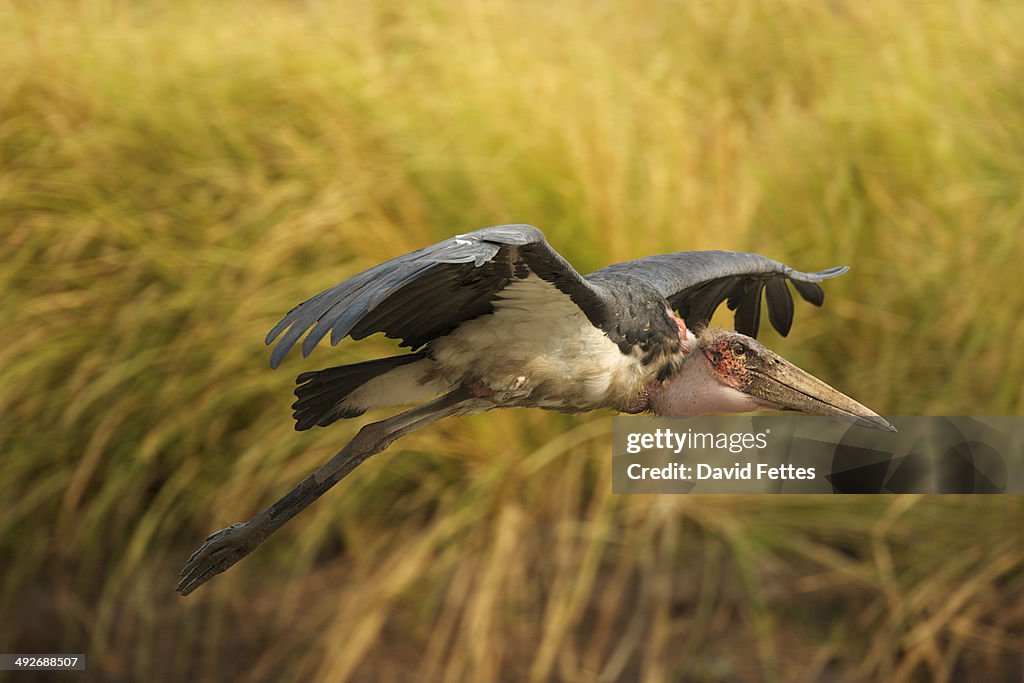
x=221, y=550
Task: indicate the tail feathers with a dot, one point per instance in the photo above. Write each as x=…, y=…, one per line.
x=322, y=393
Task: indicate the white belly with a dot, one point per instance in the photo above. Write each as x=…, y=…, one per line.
x=539, y=349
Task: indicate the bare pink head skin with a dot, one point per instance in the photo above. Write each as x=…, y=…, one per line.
x=727, y=372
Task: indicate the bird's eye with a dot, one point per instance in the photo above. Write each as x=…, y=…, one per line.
x=739, y=349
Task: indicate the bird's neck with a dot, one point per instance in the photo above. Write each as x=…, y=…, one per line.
x=695, y=389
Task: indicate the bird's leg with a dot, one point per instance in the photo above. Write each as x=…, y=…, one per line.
x=227, y=546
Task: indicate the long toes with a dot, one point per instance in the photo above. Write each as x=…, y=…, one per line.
x=221, y=550
x=208, y=564
x=216, y=539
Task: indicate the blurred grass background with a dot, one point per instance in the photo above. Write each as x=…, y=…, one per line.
x=176, y=176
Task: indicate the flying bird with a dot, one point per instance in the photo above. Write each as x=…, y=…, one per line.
x=496, y=318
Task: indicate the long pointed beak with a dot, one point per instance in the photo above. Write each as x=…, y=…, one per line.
x=783, y=384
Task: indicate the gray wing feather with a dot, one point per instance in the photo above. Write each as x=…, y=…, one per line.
x=425, y=294
x=695, y=283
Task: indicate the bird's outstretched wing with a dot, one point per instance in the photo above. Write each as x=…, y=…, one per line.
x=423, y=295
x=696, y=282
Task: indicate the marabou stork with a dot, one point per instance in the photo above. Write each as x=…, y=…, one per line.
x=498, y=319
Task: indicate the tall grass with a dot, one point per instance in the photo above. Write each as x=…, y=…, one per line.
x=175, y=176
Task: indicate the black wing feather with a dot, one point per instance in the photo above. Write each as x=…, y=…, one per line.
x=423, y=295
x=811, y=291
x=695, y=283
x=706, y=298
x=780, y=305
x=747, y=304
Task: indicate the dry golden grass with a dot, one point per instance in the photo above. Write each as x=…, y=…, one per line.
x=175, y=176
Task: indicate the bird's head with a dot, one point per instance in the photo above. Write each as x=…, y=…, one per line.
x=727, y=372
